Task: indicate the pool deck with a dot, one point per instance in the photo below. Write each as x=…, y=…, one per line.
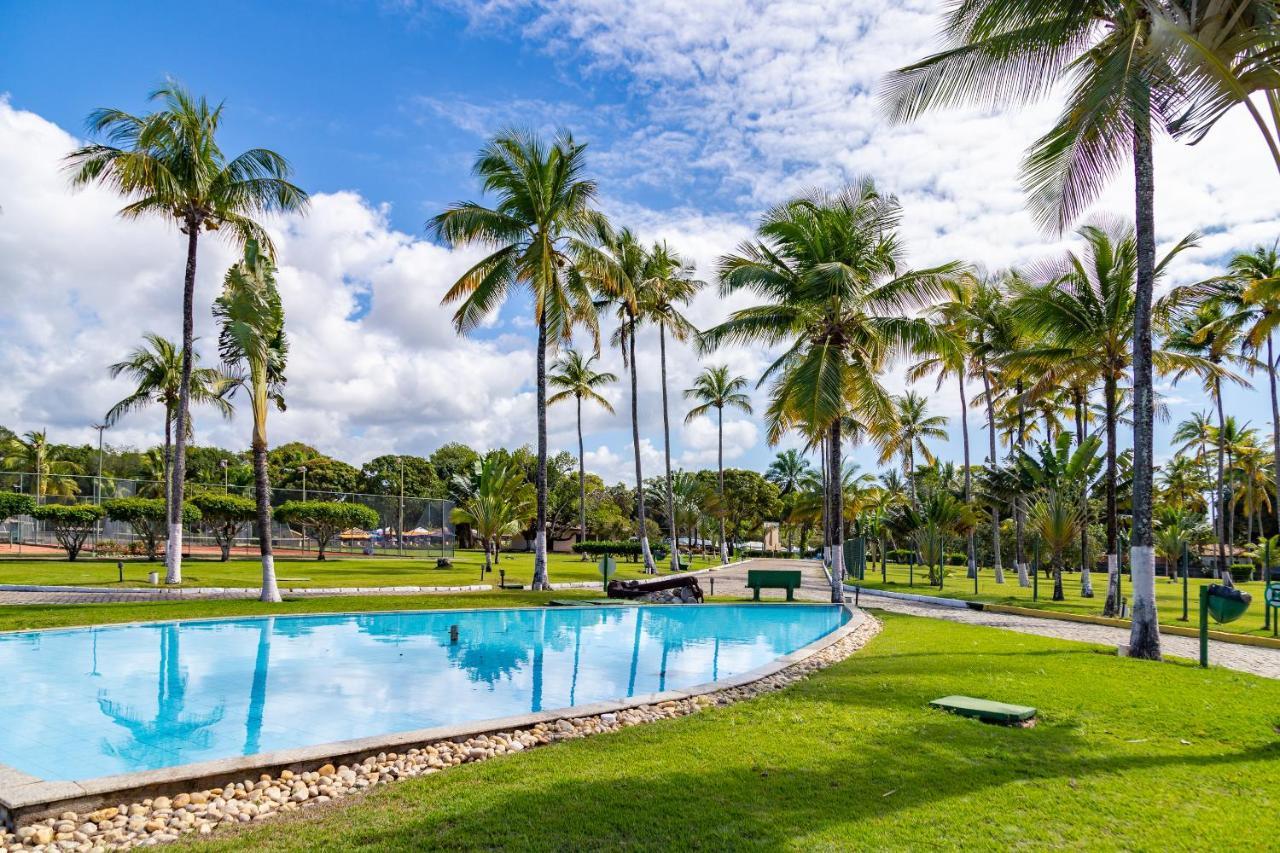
x=24, y=797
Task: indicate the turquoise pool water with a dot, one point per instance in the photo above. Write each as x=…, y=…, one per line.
x=90, y=702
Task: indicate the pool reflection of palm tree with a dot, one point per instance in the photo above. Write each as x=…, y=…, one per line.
x=258, y=688
x=157, y=741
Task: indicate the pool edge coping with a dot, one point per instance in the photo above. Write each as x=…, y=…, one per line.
x=25, y=797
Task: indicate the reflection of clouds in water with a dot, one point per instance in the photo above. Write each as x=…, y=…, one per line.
x=190, y=692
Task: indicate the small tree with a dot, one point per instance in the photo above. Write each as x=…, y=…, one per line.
x=223, y=516
x=12, y=504
x=148, y=518
x=324, y=520
x=71, y=525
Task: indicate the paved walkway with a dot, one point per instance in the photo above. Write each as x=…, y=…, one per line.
x=1254, y=659
x=733, y=580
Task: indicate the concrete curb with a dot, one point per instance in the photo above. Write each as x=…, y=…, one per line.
x=957, y=603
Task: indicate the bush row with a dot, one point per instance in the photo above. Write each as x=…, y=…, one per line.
x=629, y=548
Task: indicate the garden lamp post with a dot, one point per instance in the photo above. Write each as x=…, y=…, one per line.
x=400, y=521
x=226, y=483
x=303, y=470
x=97, y=483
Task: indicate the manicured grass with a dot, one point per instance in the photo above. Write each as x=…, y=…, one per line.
x=1127, y=755
x=24, y=617
x=303, y=572
x=1168, y=595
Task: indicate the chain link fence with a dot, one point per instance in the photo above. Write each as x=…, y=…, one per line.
x=407, y=525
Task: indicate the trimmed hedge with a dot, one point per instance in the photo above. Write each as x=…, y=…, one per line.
x=147, y=518
x=629, y=548
x=72, y=525
x=12, y=503
x=903, y=555
x=323, y=520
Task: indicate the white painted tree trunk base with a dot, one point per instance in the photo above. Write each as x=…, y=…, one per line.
x=173, y=555
x=837, y=574
x=649, y=566
x=1113, y=586
x=1086, y=583
x=1144, y=634
x=541, y=580
x=1024, y=574
x=270, y=592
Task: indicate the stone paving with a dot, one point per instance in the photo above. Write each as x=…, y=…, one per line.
x=1253, y=659
x=733, y=580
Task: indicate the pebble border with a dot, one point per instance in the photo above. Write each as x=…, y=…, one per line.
x=164, y=819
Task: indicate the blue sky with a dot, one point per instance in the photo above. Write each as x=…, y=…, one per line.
x=699, y=115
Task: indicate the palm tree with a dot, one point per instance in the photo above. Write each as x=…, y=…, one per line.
x=500, y=505
x=156, y=369
x=169, y=164
x=1257, y=484
x=1120, y=81
x=1067, y=472
x=573, y=374
x=828, y=269
x=954, y=320
x=1085, y=310
x=1212, y=336
x=252, y=340
x=615, y=265
x=715, y=389
x=908, y=433
x=787, y=471
x=1196, y=431
x=1176, y=530
x=1054, y=520
x=1182, y=484
x=543, y=200
x=668, y=284
x=32, y=454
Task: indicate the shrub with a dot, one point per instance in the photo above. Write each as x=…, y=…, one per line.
x=71, y=525
x=629, y=548
x=147, y=518
x=223, y=516
x=12, y=503
x=324, y=520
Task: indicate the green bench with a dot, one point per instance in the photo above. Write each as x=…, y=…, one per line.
x=788, y=579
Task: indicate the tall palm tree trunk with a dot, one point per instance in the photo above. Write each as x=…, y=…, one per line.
x=826, y=505
x=997, y=564
x=540, y=578
x=1112, y=605
x=168, y=461
x=1220, y=493
x=649, y=566
x=968, y=473
x=666, y=449
x=582, y=483
x=1144, y=635
x=724, y=546
x=1275, y=429
x=262, y=497
x=1019, y=502
x=173, y=551
x=837, y=502
x=1086, y=579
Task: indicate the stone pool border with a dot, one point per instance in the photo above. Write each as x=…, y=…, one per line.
x=25, y=798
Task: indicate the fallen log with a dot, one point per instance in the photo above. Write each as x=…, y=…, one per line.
x=638, y=589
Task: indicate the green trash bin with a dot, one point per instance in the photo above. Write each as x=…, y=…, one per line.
x=1227, y=604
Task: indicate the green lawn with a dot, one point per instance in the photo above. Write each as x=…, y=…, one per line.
x=1168, y=595
x=1127, y=755
x=23, y=617
x=301, y=572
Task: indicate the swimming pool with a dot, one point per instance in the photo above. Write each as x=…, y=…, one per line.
x=92, y=702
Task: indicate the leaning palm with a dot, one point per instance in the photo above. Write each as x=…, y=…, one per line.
x=827, y=271
x=169, y=164
x=715, y=388
x=669, y=283
x=156, y=369
x=542, y=200
x=573, y=374
x=252, y=341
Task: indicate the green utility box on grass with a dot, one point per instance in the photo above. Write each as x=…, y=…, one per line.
x=985, y=709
